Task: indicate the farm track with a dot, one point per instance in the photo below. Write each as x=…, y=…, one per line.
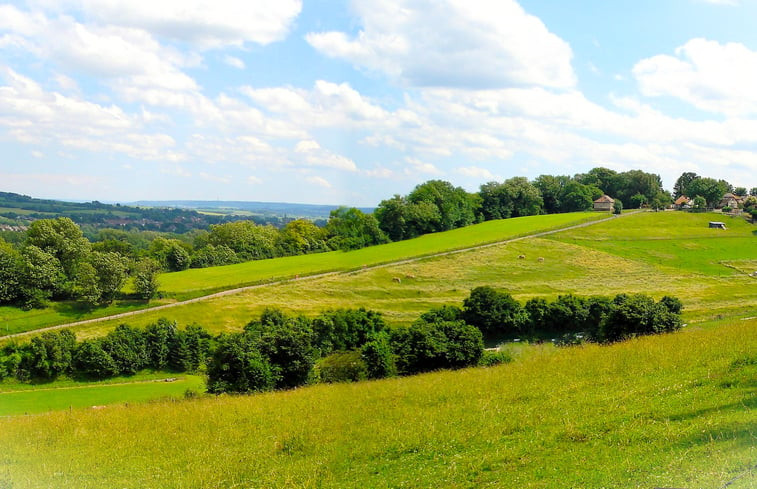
x=312, y=277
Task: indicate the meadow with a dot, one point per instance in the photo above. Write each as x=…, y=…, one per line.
x=667, y=411
x=198, y=282
x=572, y=262
x=60, y=395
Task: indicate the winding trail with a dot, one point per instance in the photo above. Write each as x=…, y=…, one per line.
x=312, y=277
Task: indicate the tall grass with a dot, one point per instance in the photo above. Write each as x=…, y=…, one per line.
x=669, y=411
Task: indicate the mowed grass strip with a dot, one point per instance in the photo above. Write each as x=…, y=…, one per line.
x=198, y=282
x=668, y=411
x=189, y=282
x=56, y=398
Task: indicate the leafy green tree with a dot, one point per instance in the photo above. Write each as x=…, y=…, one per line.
x=577, y=197
x=287, y=343
x=552, y=189
x=126, y=346
x=681, y=186
x=352, y=229
x=300, y=237
x=635, y=182
x=86, y=287
x=443, y=313
x=440, y=344
x=52, y=353
x=603, y=178
x=10, y=273
x=111, y=272
x=493, y=312
x=617, y=207
x=248, y=240
x=237, y=365
x=378, y=357
x=740, y=191
x=515, y=197
x=189, y=349
x=41, y=276
x=392, y=217
x=456, y=207
x=211, y=256
x=345, y=329
x=146, y=278
x=699, y=203
x=90, y=360
x=638, y=200
x=537, y=314
x=753, y=191
x=710, y=189
x=159, y=338
x=61, y=238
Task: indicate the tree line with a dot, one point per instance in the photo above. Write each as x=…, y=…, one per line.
x=281, y=351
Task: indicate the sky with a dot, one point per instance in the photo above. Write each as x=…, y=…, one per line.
x=350, y=102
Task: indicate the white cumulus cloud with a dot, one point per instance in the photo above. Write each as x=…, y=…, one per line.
x=452, y=43
x=709, y=75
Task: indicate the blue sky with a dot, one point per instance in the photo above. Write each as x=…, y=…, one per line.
x=349, y=102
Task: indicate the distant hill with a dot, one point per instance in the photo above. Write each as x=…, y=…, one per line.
x=277, y=209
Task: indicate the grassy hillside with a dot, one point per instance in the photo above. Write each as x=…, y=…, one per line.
x=572, y=263
x=198, y=282
x=669, y=411
x=19, y=398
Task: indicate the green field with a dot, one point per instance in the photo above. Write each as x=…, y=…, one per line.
x=572, y=262
x=669, y=411
x=199, y=282
x=33, y=399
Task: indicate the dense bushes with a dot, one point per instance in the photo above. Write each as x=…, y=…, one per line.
x=597, y=318
x=123, y=351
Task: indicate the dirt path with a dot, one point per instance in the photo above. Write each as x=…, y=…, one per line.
x=312, y=277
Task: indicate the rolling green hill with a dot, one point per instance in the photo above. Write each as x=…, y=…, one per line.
x=668, y=411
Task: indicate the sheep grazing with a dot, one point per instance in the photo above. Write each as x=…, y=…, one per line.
x=541, y=259
x=397, y=279
x=521, y=257
x=409, y=275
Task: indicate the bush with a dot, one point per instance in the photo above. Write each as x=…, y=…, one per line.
x=345, y=329
x=126, y=346
x=238, y=366
x=430, y=346
x=493, y=312
x=491, y=358
x=378, y=357
x=90, y=360
x=343, y=367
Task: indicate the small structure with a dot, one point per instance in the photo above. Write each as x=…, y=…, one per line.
x=604, y=203
x=682, y=202
x=730, y=200
x=717, y=225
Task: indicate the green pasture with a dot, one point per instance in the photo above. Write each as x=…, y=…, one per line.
x=198, y=282
x=669, y=411
x=564, y=268
x=194, y=282
x=677, y=240
x=34, y=399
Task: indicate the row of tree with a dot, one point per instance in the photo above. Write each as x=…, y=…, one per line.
x=280, y=351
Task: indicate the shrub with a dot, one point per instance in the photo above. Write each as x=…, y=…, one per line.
x=345, y=329
x=491, y=358
x=90, y=360
x=343, y=367
x=378, y=357
x=430, y=346
x=238, y=366
x=126, y=346
x=493, y=312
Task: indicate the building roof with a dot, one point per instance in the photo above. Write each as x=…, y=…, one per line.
x=605, y=199
x=682, y=200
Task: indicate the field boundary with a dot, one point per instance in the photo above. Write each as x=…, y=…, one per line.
x=315, y=276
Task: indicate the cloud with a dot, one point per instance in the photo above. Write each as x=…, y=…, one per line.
x=253, y=180
x=476, y=172
x=319, y=181
x=234, y=62
x=214, y=178
x=416, y=166
x=207, y=25
x=315, y=155
x=711, y=76
x=452, y=43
